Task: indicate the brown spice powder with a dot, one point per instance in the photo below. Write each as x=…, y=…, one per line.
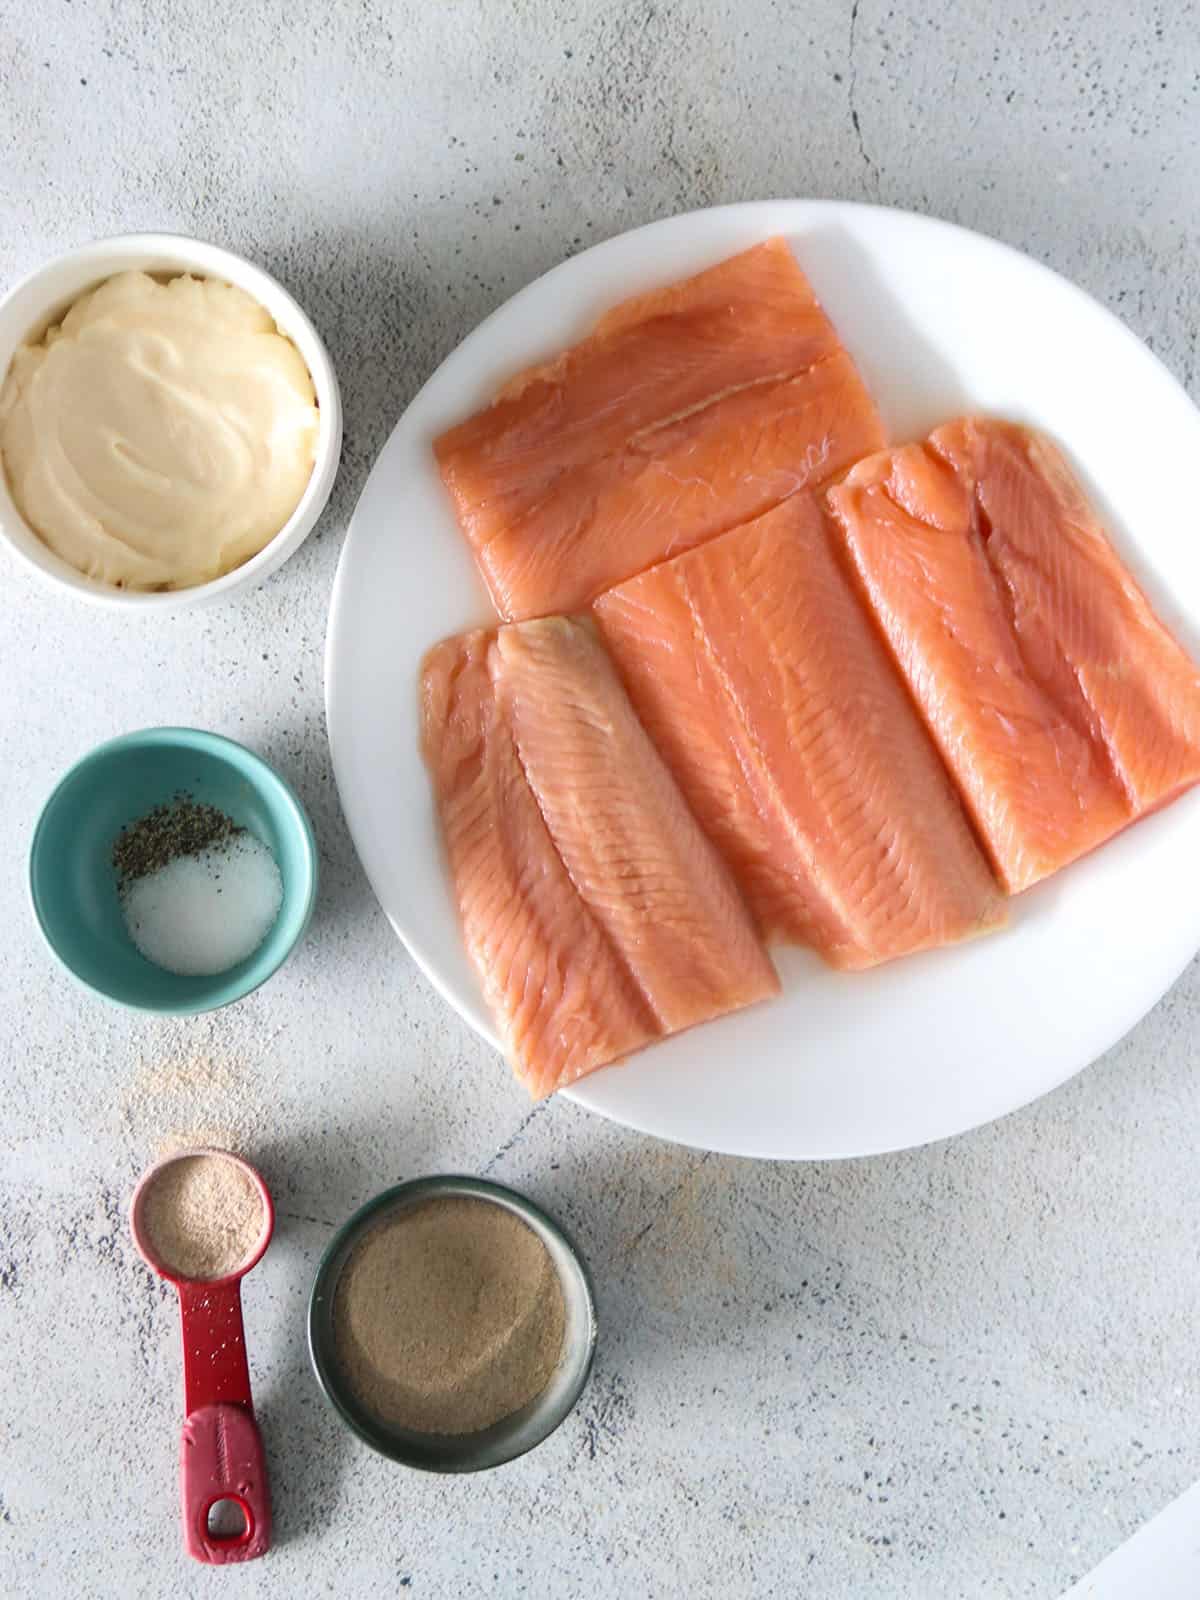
x=203, y=1216
x=448, y=1316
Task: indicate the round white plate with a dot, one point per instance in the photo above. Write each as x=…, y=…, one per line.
x=940, y=320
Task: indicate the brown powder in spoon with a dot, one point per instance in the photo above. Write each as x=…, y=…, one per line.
x=448, y=1316
x=202, y=1215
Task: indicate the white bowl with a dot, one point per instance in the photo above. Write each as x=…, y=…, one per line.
x=42, y=298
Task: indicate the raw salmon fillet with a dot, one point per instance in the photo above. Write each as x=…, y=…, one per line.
x=622, y=828
x=762, y=682
x=685, y=412
x=598, y=915
x=1061, y=704
x=560, y=997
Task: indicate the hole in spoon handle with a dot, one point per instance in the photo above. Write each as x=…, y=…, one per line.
x=222, y=1458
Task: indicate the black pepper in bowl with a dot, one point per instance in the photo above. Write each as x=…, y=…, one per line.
x=180, y=827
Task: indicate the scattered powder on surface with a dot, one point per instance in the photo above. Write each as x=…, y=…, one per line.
x=448, y=1316
x=201, y=914
x=203, y=1216
x=204, y=1081
x=179, y=1102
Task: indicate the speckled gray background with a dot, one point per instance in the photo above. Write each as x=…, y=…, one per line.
x=966, y=1371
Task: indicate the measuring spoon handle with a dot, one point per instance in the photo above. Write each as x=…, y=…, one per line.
x=222, y=1455
x=222, y=1458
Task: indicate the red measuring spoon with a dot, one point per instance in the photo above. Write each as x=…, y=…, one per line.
x=221, y=1456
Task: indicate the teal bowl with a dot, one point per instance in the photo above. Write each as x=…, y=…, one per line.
x=73, y=884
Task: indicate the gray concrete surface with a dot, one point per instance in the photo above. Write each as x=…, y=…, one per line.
x=967, y=1371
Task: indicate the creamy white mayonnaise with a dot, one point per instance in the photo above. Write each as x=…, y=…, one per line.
x=161, y=434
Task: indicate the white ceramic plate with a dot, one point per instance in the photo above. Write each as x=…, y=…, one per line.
x=939, y=320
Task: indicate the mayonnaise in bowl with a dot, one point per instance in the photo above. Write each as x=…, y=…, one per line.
x=161, y=434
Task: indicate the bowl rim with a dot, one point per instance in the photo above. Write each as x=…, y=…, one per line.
x=325, y=1283
x=208, y=260
x=215, y=744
